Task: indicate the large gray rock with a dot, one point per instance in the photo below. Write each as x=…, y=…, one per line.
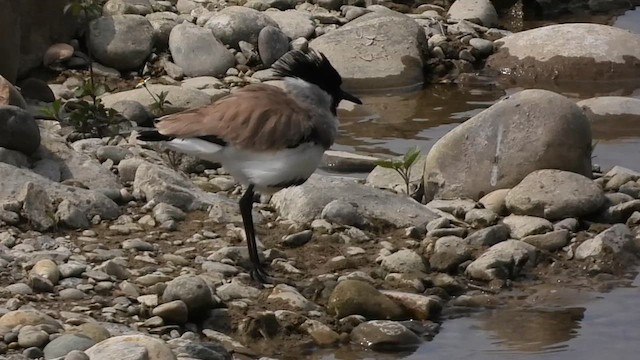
x=272, y=44
x=122, y=42
x=88, y=202
x=496, y=149
x=181, y=98
x=502, y=261
x=18, y=130
x=612, y=117
x=609, y=106
x=75, y=165
x=238, y=23
x=305, y=203
x=164, y=185
x=381, y=49
x=293, y=23
x=212, y=58
x=478, y=11
x=555, y=195
x=614, y=240
x=162, y=23
x=568, y=53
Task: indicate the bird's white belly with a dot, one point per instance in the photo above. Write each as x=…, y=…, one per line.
x=270, y=170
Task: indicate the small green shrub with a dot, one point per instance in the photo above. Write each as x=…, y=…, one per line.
x=402, y=166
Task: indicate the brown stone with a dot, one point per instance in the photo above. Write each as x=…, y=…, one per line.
x=57, y=53
x=9, y=95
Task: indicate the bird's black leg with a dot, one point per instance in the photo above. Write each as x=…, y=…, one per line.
x=246, y=206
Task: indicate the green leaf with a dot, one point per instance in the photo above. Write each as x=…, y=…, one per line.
x=388, y=164
x=410, y=157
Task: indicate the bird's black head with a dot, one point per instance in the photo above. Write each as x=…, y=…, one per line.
x=315, y=68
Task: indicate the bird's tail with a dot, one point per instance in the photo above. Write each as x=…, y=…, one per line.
x=153, y=135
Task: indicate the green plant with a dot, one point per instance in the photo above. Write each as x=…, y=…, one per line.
x=159, y=100
x=87, y=114
x=54, y=111
x=86, y=10
x=402, y=166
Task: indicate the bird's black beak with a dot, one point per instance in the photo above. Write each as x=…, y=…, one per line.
x=346, y=96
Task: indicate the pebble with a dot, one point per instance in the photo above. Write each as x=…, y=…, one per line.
x=172, y=312
x=32, y=353
x=67, y=343
x=32, y=337
x=384, y=335
x=404, y=260
x=354, y=297
x=297, y=239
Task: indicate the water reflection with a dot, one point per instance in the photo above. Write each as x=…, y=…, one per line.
x=389, y=124
x=535, y=330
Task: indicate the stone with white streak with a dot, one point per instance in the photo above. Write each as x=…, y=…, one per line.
x=530, y=130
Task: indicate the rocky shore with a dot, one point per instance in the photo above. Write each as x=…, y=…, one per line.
x=113, y=249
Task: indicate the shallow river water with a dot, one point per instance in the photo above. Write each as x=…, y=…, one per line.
x=390, y=124
x=579, y=325
x=573, y=325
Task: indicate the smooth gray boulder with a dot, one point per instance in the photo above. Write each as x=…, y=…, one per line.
x=162, y=23
x=18, y=130
x=527, y=131
x=381, y=50
x=238, y=23
x=164, y=185
x=305, y=203
x=197, y=51
x=272, y=44
x=88, y=202
x=612, y=117
x=181, y=98
x=122, y=42
x=566, y=53
x=555, y=195
x=78, y=166
x=478, y=11
x=293, y=23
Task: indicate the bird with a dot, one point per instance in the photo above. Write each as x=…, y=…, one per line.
x=267, y=137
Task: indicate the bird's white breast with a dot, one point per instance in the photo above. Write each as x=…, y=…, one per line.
x=268, y=169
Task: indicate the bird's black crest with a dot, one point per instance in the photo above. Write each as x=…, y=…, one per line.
x=311, y=66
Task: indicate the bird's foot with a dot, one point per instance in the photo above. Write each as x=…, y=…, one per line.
x=261, y=277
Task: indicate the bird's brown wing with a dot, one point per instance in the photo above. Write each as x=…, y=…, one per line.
x=256, y=117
